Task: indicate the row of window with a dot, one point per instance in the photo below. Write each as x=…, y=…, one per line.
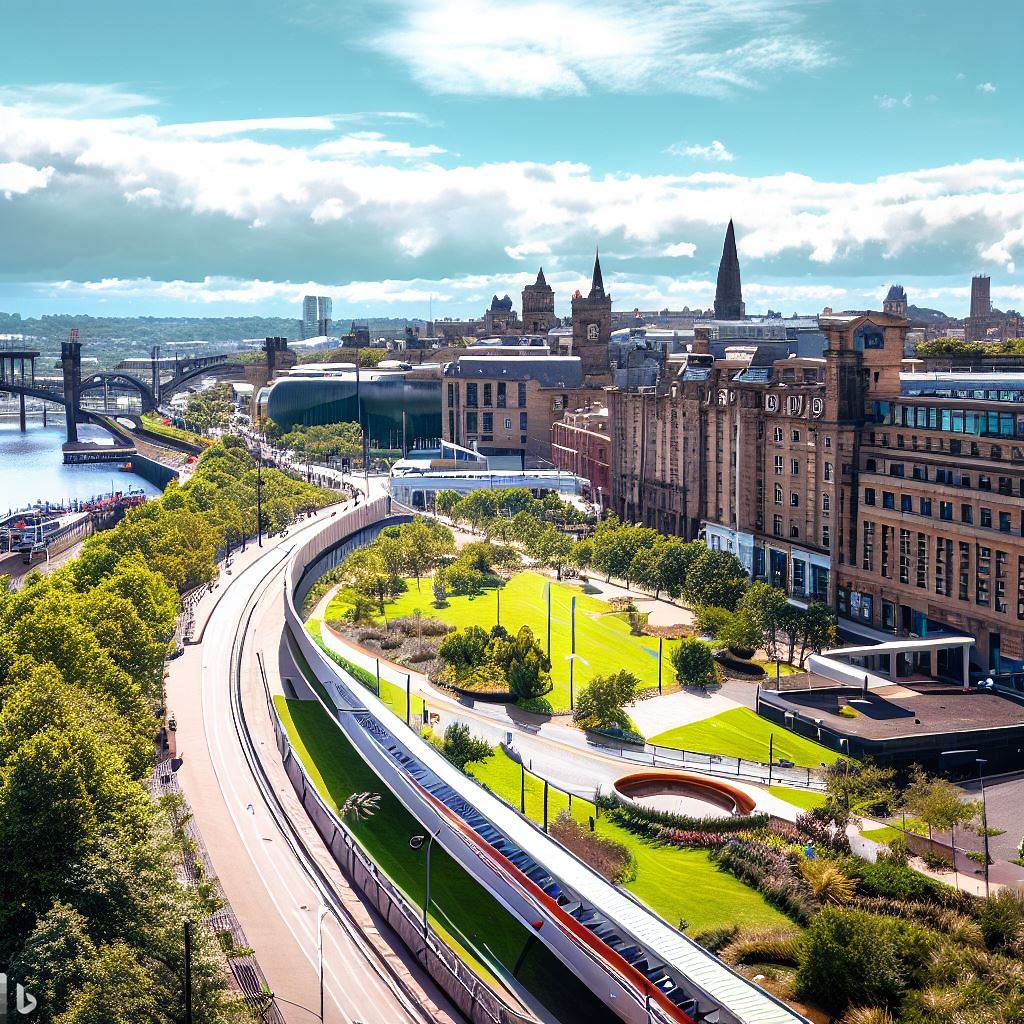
x=490, y=393
x=487, y=419
x=949, y=477
x=989, y=520
x=794, y=467
x=952, y=421
x=794, y=499
x=778, y=530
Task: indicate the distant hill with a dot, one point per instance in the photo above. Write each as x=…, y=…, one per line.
x=924, y=315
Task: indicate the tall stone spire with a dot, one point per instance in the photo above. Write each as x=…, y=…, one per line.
x=541, y=279
x=728, y=293
x=597, y=287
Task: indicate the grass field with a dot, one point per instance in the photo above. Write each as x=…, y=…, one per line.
x=739, y=732
x=602, y=635
x=680, y=885
x=804, y=798
x=472, y=921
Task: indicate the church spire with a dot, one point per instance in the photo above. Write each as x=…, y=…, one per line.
x=541, y=280
x=728, y=293
x=597, y=286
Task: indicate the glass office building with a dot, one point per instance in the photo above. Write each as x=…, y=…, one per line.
x=397, y=409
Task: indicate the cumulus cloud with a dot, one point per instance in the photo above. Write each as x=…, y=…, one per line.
x=369, y=206
x=571, y=47
x=714, y=150
x=887, y=102
x=986, y=87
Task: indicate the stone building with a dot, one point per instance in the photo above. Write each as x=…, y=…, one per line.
x=505, y=405
x=501, y=318
x=895, y=302
x=581, y=444
x=539, y=306
x=984, y=323
x=592, y=329
x=898, y=498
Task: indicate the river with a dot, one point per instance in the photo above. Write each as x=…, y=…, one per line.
x=32, y=467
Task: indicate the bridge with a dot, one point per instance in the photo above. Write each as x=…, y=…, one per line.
x=92, y=394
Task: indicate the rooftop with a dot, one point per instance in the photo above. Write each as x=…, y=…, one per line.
x=548, y=371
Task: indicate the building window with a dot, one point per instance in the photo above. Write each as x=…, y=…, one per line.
x=888, y=500
x=828, y=440
x=778, y=494
x=1004, y=522
x=826, y=537
x=828, y=470
x=794, y=467
x=925, y=505
x=522, y=394
x=592, y=332
x=501, y=395
x=451, y=393
x=508, y=422
x=470, y=422
x=778, y=464
x=869, y=495
x=488, y=422
x=471, y=395
x=922, y=561
x=946, y=511
x=967, y=514
x=522, y=421
x=777, y=525
x=906, y=503
x=826, y=503
x=777, y=435
x=794, y=531
x=488, y=394
x=796, y=436
x=986, y=517
x=794, y=499
x=868, y=547
x=904, y=556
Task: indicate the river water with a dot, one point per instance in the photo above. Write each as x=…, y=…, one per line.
x=32, y=468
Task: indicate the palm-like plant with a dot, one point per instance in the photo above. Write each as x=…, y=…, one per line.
x=827, y=882
x=360, y=806
x=868, y=1015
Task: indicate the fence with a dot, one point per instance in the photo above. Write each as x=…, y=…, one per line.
x=478, y=1003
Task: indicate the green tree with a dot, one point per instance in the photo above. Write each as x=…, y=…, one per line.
x=553, y=549
x=462, y=748
x=464, y=648
x=601, y=705
x=938, y=803
x=675, y=556
x=854, y=786
x=764, y=607
x=445, y=502
x=525, y=664
x=715, y=577
x=694, y=664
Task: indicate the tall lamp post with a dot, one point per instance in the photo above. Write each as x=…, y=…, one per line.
x=416, y=843
x=259, y=491
x=320, y=952
x=572, y=659
x=984, y=816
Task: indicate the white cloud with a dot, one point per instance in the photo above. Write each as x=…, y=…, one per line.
x=74, y=99
x=687, y=249
x=986, y=87
x=715, y=150
x=887, y=102
x=571, y=47
x=368, y=206
x=17, y=178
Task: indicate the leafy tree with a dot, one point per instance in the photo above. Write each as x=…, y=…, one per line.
x=855, y=786
x=601, y=705
x=763, y=608
x=817, y=630
x=476, y=508
x=938, y=803
x=553, y=549
x=423, y=545
x=462, y=748
x=465, y=648
x=675, y=556
x=694, y=664
x=645, y=569
x=712, y=621
x=445, y=502
x=525, y=664
x=715, y=577
x=514, y=500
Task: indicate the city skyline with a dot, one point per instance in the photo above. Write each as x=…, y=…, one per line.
x=204, y=178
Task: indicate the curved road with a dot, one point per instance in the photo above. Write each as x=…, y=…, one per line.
x=278, y=877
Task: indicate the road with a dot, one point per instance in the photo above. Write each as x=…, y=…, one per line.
x=277, y=879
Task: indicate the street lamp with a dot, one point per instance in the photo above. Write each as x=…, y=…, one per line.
x=984, y=816
x=259, y=491
x=320, y=952
x=416, y=843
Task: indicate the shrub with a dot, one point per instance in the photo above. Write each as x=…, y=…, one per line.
x=601, y=705
x=633, y=815
x=694, y=664
x=426, y=625
x=536, y=705
x=716, y=939
x=374, y=635
x=1001, y=918
x=772, y=873
x=894, y=881
x=775, y=946
x=609, y=858
x=390, y=643
x=464, y=649
x=827, y=881
x=935, y=861
x=849, y=955
x=710, y=621
x=420, y=654
x=822, y=831
x=847, y=712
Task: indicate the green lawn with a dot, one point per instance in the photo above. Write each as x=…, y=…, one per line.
x=474, y=922
x=602, y=635
x=680, y=885
x=739, y=732
x=805, y=798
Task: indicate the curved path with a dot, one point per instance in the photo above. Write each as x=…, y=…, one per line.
x=272, y=865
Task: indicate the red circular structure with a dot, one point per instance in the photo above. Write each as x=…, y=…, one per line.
x=654, y=783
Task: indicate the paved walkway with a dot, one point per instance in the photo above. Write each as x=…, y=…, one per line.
x=658, y=714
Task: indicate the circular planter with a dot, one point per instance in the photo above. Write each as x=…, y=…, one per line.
x=640, y=787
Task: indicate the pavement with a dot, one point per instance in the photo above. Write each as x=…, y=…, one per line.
x=368, y=976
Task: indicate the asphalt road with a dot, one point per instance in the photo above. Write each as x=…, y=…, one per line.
x=276, y=898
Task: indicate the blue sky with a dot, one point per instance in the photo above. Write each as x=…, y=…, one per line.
x=214, y=159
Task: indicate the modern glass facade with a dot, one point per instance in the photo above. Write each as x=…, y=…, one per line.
x=391, y=404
